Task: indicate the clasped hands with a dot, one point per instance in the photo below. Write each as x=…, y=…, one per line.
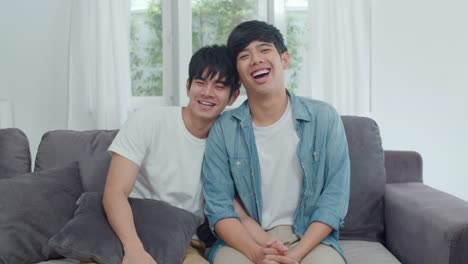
x=275, y=252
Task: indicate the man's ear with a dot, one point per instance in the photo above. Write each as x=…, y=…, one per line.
x=234, y=96
x=285, y=58
x=187, y=85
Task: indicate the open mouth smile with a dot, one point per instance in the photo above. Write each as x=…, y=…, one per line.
x=260, y=73
x=205, y=103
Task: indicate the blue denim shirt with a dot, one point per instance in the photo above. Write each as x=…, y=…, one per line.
x=231, y=166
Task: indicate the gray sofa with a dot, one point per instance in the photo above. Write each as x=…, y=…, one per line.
x=392, y=218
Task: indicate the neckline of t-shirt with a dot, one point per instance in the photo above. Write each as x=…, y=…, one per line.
x=187, y=134
x=278, y=122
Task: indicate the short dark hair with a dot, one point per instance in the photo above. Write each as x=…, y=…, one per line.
x=244, y=33
x=209, y=61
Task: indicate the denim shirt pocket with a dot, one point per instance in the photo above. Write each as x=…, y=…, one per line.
x=240, y=169
x=312, y=162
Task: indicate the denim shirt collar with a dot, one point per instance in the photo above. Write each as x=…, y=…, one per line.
x=242, y=113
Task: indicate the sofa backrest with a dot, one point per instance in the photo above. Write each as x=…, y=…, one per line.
x=60, y=147
x=15, y=157
x=365, y=218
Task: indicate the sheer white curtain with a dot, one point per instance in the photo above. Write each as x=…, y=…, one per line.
x=340, y=54
x=99, y=69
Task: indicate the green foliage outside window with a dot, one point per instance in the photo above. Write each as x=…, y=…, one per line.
x=213, y=20
x=293, y=33
x=146, y=52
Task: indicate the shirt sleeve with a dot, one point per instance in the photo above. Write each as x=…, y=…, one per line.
x=134, y=138
x=218, y=185
x=332, y=205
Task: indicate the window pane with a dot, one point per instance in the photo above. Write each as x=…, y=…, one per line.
x=213, y=20
x=296, y=29
x=146, y=56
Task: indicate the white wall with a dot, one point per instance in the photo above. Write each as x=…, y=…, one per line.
x=420, y=85
x=33, y=64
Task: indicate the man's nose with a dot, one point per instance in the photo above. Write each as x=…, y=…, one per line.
x=208, y=90
x=256, y=58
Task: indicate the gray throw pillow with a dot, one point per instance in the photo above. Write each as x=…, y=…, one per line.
x=164, y=230
x=60, y=147
x=33, y=208
x=15, y=157
x=93, y=171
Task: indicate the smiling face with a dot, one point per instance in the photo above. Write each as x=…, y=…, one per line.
x=208, y=96
x=261, y=68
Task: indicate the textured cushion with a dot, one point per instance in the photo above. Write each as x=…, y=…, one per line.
x=165, y=231
x=403, y=166
x=365, y=218
x=60, y=147
x=425, y=225
x=15, y=157
x=34, y=207
x=61, y=261
x=364, y=252
x=93, y=171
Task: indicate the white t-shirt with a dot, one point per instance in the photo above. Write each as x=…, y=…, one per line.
x=170, y=158
x=281, y=174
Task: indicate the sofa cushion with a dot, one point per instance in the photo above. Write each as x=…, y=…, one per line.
x=60, y=147
x=15, y=157
x=364, y=252
x=93, y=171
x=61, y=261
x=34, y=207
x=365, y=218
x=164, y=230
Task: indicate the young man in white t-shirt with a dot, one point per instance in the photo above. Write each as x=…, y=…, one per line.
x=158, y=152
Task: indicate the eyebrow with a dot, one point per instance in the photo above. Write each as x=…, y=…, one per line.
x=221, y=81
x=260, y=45
x=224, y=83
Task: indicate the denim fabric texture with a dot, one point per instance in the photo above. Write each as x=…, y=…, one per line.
x=231, y=166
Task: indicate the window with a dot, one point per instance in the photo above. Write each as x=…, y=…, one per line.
x=146, y=53
x=165, y=33
x=297, y=26
x=213, y=20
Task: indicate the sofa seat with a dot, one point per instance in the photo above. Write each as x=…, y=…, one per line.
x=357, y=252
x=61, y=261
x=364, y=252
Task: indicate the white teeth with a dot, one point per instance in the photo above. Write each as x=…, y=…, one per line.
x=255, y=74
x=206, y=103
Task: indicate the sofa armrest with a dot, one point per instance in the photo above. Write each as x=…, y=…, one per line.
x=424, y=225
x=403, y=166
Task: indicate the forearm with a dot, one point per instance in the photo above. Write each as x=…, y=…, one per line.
x=252, y=227
x=238, y=237
x=120, y=217
x=255, y=231
x=314, y=234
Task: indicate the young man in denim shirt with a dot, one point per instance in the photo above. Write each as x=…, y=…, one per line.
x=284, y=156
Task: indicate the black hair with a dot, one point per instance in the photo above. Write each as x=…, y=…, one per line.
x=209, y=61
x=244, y=33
